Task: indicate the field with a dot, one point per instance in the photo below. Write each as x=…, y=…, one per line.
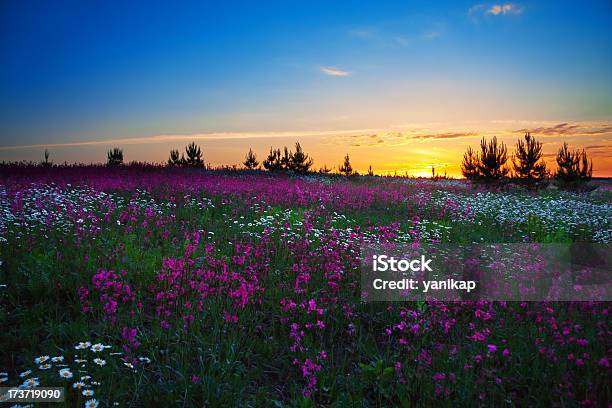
x=148, y=286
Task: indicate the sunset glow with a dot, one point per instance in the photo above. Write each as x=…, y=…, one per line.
x=402, y=89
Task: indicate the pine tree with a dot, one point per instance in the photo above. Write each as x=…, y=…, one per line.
x=370, y=172
x=492, y=160
x=300, y=162
x=250, y=160
x=527, y=163
x=115, y=157
x=174, y=159
x=194, y=155
x=324, y=169
x=573, y=165
x=469, y=166
x=285, y=161
x=273, y=161
x=346, y=168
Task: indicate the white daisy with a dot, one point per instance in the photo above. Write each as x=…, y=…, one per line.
x=44, y=366
x=88, y=393
x=100, y=362
x=41, y=359
x=31, y=382
x=57, y=359
x=25, y=373
x=82, y=345
x=85, y=377
x=78, y=385
x=65, y=373
x=92, y=403
x=96, y=348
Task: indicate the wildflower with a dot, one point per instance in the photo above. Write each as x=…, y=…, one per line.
x=25, y=373
x=65, y=373
x=98, y=347
x=88, y=393
x=57, y=359
x=78, y=385
x=85, y=377
x=145, y=360
x=604, y=362
x=44, y=366
x=82, y=345
x=506, y=353
x=40, y=360
x=92, y=403
x=99, y=362
x=31, y=382
x=492, y=348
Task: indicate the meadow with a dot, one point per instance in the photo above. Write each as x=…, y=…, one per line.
x=152, y=286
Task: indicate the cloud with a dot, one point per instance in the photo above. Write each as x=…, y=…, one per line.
x=568, y=129
x=446, y=136
x=332, y=71
x=495, y=9
x=507, y=8
x=189, y=137
x=394, y=138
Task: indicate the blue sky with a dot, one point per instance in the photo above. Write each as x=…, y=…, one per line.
x=81, y=71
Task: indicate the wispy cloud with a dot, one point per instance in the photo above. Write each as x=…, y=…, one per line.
x=395, y=138
x=507, y=8
x=568, y=129
x=495, y=9
x=333, y=71
x=190, y=137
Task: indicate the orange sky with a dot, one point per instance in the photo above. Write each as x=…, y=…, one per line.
x=412, y=147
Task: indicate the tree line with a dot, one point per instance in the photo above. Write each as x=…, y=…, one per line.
x=527, y=164
x=490, y=163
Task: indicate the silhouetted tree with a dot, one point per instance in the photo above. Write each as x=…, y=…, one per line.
x=250, y=160
x=286, y=159
x=47, y=163
x=175, y=159
x=324, y=169
x=573, y=165
x=528, y=164
x=469, y=166
x=299, y=161
x=115, y=157
x=194, y=155
x=492, y=159
x=273, y=161
x=346, y=168
x=370, y=172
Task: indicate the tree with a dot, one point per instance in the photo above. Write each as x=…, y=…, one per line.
x=469, y=166
x=528, y=164
x=194, y=155
x=324, y=169
x=300, y=162
x=273, y=161
x=370, y=172
x=250, y=160
x=285, y=161
x=174, y=159
x=115, y=157
x=47, y=163
x=492, y=159
x=346, y=168
x=573, y=165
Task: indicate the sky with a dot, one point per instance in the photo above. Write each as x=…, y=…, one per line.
x=402, y=86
